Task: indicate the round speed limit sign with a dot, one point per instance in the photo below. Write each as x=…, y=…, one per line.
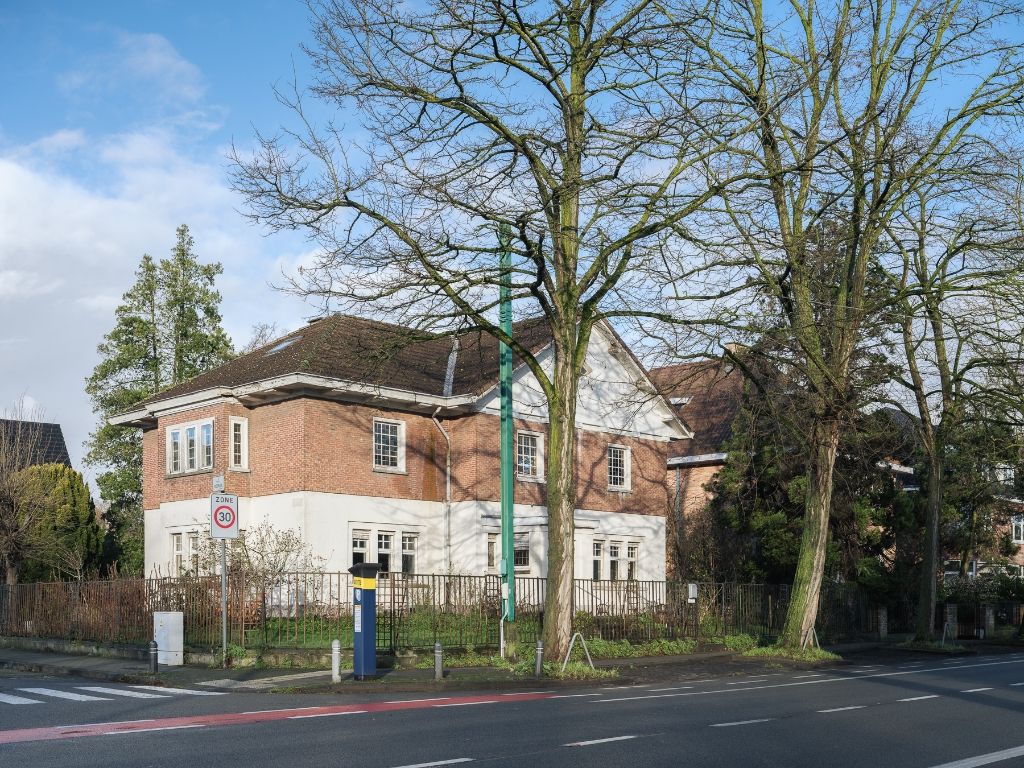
x=224, y=516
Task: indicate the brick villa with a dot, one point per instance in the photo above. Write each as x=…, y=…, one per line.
x=384, y=448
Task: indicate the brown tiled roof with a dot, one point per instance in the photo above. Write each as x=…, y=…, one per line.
x=715, y=390
x=369, y=352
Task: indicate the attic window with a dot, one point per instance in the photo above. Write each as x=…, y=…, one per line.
x=281, y=345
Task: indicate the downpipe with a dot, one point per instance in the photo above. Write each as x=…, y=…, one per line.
x=447, y=491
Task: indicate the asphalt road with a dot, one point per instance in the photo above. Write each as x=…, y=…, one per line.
x=918, y=712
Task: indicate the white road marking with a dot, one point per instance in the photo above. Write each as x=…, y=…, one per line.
x=920, y=698
x=7, y=699
x=840, y=709
x=116, y=722
x=328, y=714
x=466, y=704
x=121, y=692
x=151, y=730
x=63, y=694
x=410, y=701
x=976, y=690
x=286, y=709
x=598, y=741
x=1014, y=685
x=804, y=677
x=525, y=693
x=575, y=695
x=182, y=691
x=678, y=688
x=438, y=762
x=817, y=681
x=741, y=722
x=747, y=682
x=991, y=757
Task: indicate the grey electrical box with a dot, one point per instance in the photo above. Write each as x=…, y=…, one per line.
x=169, y=633
x=691, y=593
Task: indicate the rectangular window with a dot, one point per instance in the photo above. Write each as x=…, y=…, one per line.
x=632, y=550
x=614, y=552
x=360, y=546
x=174, y=465
x=384, y=543
x=598, y=560
x=492, y=552
x=388, y=445
x=408, y=553
x=177, y=554
x=193, y=552
x=190, y=447
x=206, y=455
x=1018, y=529
x=521, y=553
x=618, y=468
x=529, y=455
x=239, y=443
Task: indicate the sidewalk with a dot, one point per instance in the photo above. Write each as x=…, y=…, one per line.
x=631, y=671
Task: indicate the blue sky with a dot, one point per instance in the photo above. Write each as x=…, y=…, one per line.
x=114, y=129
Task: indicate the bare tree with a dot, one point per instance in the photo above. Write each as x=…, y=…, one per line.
x=847, y=132
x=583, y=129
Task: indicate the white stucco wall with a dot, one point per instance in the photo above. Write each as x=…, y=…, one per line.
x=327, y=521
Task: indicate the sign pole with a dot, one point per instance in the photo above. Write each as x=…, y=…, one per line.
x=505, y=374
x=224, y=599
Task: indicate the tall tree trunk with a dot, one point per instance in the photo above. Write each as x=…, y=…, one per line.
x=925, y=629
x=803, y=607
x=11, y=573
x=561, y=503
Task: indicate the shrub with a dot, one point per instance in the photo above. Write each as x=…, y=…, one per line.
x=739, y=643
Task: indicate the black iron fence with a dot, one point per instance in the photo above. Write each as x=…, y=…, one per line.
x=309, y=610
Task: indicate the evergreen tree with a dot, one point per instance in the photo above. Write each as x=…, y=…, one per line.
x=166, y=330
x=70, y=537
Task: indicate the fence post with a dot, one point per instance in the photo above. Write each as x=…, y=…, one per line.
x=951, y=619
x=989, y=617
x=883, y=622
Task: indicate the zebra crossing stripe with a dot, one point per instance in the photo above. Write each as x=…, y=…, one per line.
x=121, y=692
x=62, y=694
x=8, y=699
x=183, y=691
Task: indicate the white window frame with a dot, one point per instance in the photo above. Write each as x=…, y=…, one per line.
x=243, y=423
x=597, y=556
x=1017, y=529
x=627, y=470
x=390, y=551
x=363, y=535
x=492, y=554
x=518, y=538
x=615, y=560
x=632, y=556
x=177, y=552
x=190, y=463
x=538, y=456
x=412, y=550
x=400, y=468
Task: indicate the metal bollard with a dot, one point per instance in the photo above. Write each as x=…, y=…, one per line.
x=438, y=662
x=538, y=664
x=335, y=661
x=154, y=659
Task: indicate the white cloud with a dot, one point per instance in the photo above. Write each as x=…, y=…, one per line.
x=21, y=284
x=145, y=61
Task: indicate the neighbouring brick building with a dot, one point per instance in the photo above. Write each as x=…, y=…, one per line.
x=381, y=447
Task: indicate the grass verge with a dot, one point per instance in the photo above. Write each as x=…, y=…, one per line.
x=793, y=654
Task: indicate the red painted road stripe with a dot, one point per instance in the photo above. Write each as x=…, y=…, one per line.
x=51, y=733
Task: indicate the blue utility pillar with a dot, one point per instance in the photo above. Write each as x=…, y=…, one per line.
x=364, y=619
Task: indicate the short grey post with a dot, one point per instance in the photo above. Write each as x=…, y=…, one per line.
x=951, y=618
x=988, y=613
x=883, y=622
x=438, y=661
x=335, y=661
x=154, y=657
x=538, y=663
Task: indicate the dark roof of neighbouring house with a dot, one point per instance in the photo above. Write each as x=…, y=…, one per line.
x=370, y=352
x=47, y=446
x=713, y=391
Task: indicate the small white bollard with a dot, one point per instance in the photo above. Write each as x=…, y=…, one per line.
x=336, y=661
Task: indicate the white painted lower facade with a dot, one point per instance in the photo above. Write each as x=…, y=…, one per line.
x=460, y=540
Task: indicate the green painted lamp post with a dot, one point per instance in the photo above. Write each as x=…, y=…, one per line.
x=508, y=578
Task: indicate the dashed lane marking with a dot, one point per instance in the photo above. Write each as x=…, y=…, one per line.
x=121, y=692
x=976, y=690
x=598, y=741
x=840, y=709
x=466, y=704
x=677, y=688
x=53, y=693
x=575, y=695
x=748, y=682
x=328, y=714
x=152, y=730
x=439, y=762
x=742, y=722
x=8, y=699
x=804, y=677
x=920, y=698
